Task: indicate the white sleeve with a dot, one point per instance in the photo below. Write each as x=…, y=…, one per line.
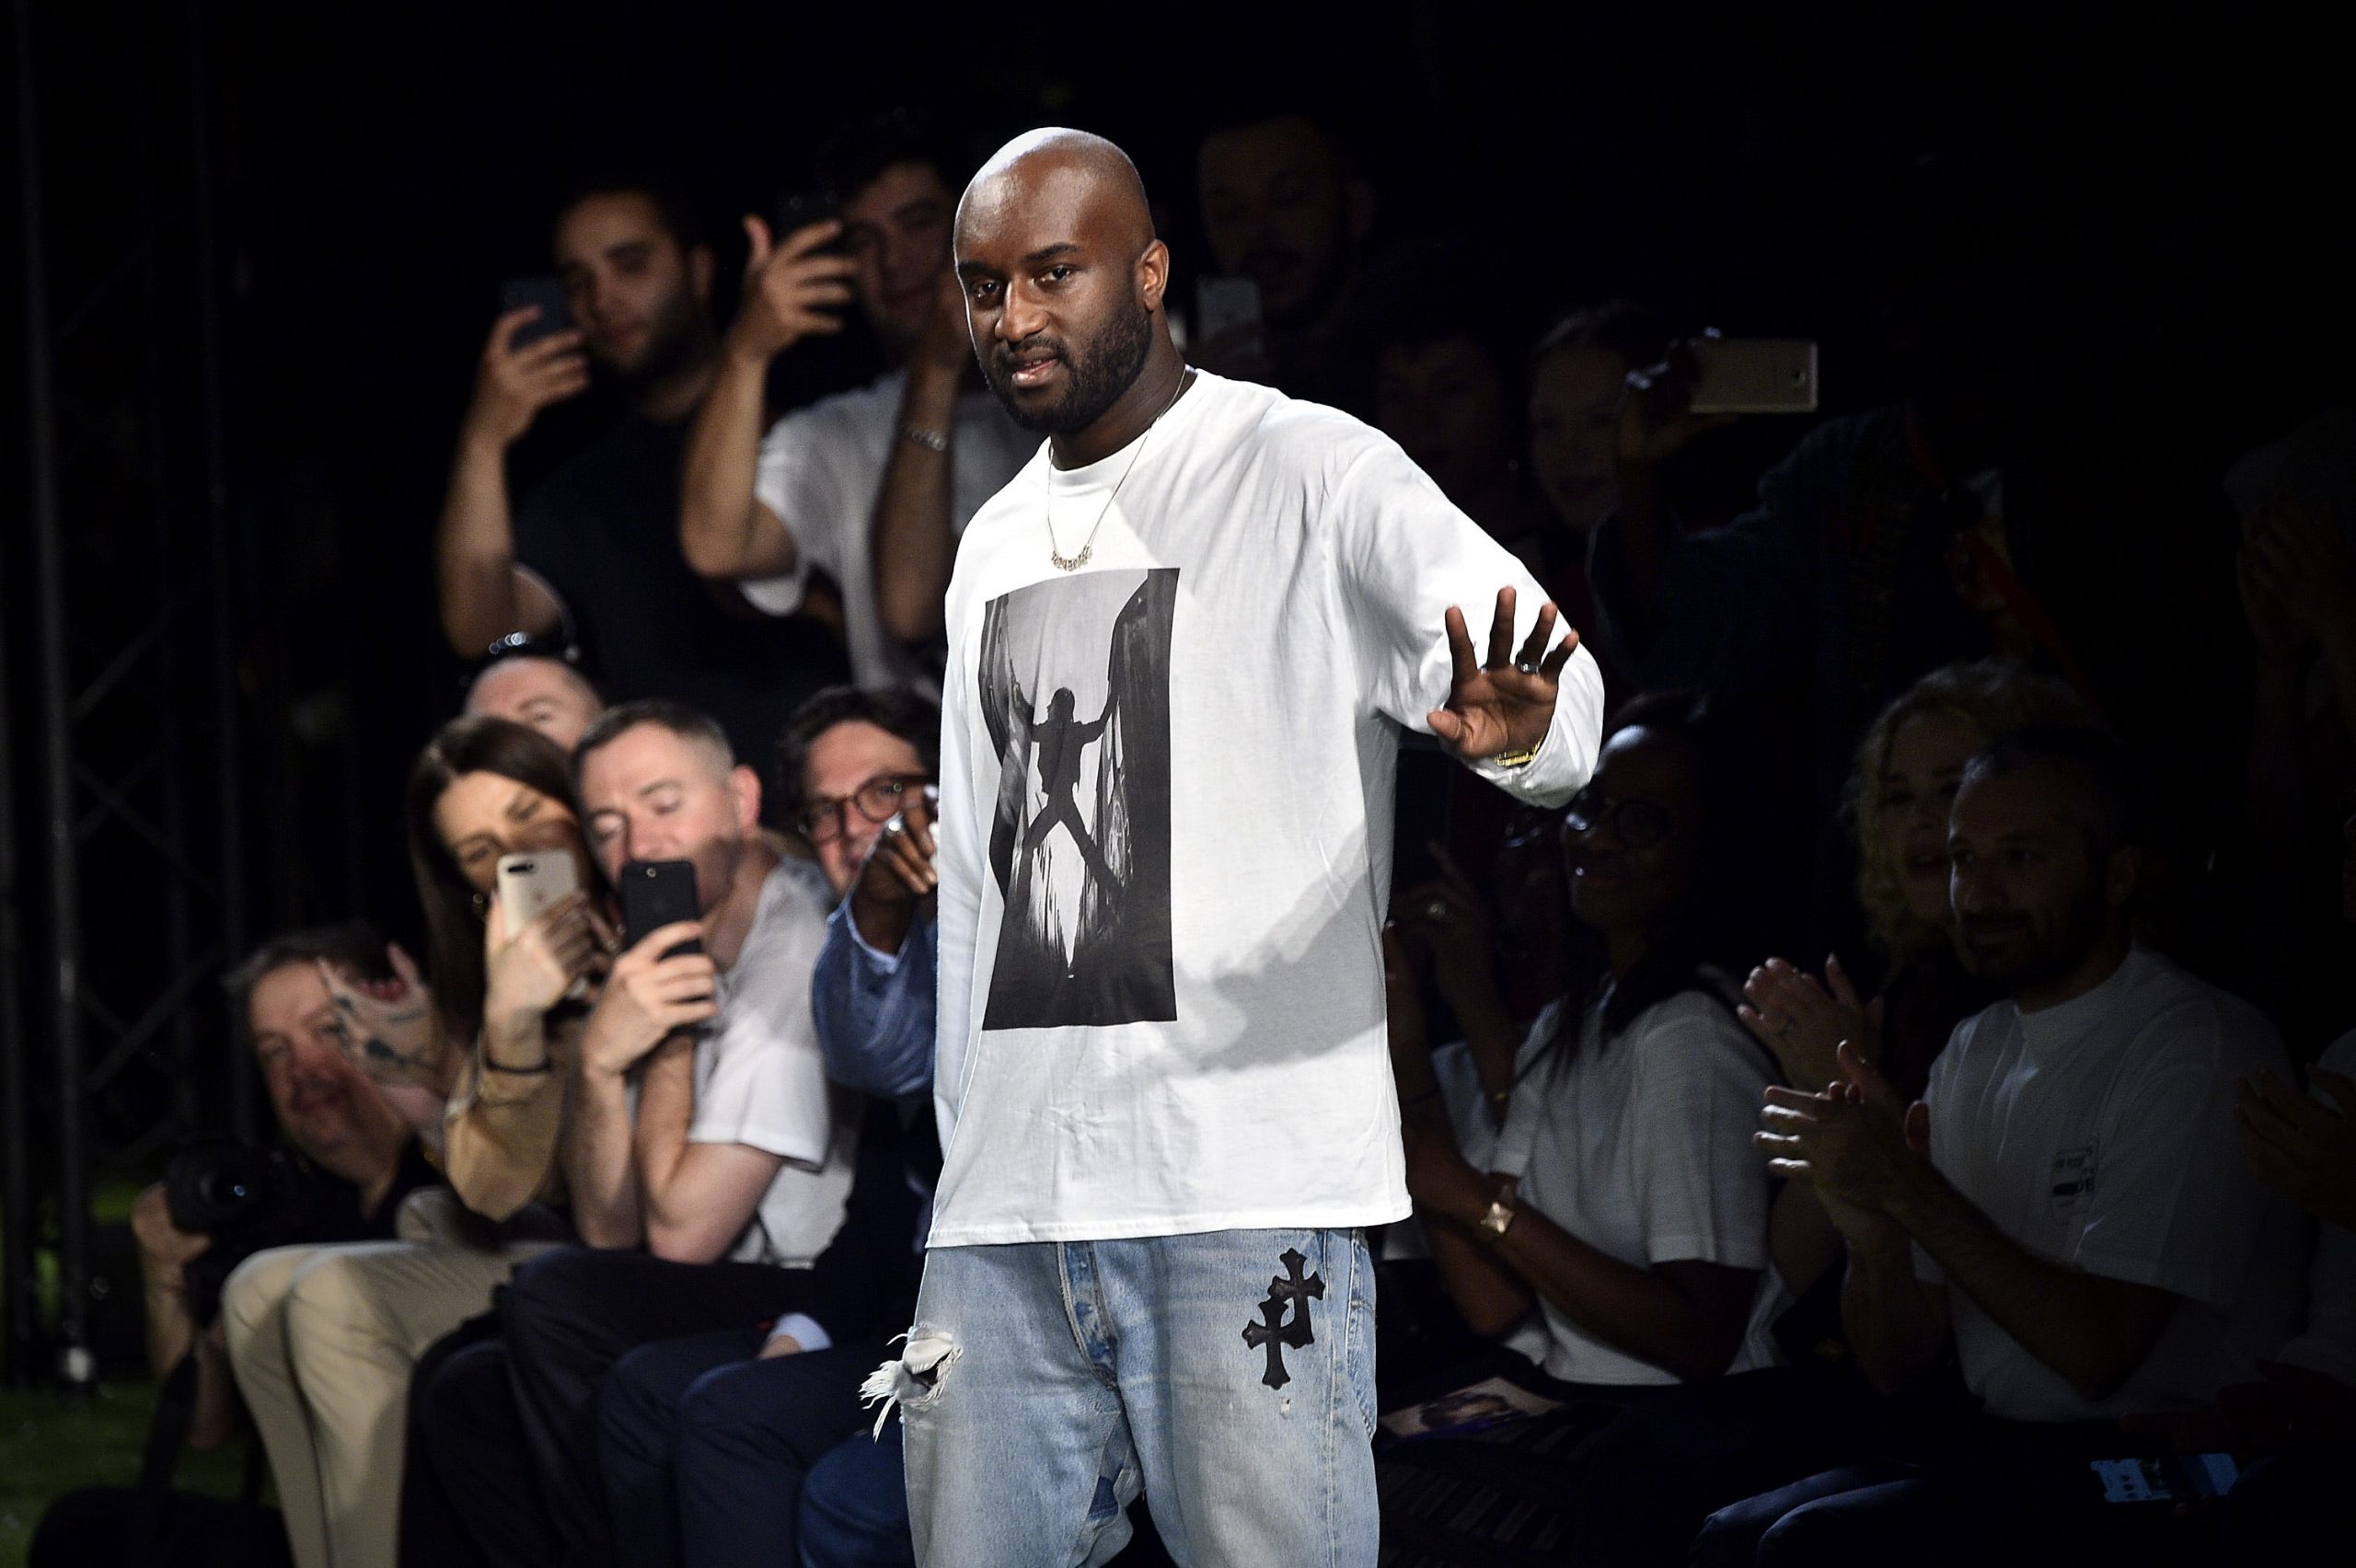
x=1939, y=1095
x=767, y=1085
x=958, y=832
x=2177, y=1207
x=1701, y=1189
x=2328, y=1346
x=796, y=483
x=1406, y=554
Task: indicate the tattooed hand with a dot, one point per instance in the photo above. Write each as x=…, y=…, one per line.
x=387, y=1027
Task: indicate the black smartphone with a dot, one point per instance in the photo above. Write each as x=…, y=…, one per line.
x=656, y=893
x=548, y=294
x=800, y=209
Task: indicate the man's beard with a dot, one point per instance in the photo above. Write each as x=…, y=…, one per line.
x=672, y=343
x=1108, y=368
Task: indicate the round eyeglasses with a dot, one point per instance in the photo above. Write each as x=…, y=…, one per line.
x=878, y=800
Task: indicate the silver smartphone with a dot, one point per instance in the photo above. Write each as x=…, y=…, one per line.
x=530, y=886
x=1753, y=375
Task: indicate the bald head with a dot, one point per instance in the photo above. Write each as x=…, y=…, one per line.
x=1063, y=281
x=547, y=694
x=1077, y=171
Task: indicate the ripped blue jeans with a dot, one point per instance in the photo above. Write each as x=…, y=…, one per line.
x=1228, y=1376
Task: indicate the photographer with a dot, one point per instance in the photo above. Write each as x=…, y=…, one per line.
x=348, y=1158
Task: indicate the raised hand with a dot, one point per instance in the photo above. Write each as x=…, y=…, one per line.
x=2302, y=1149
x=511, y=384
x=946, y=343
x=1503, y=705
x=387, y=1028
x=648, y=998
x=1856, y=1142
x=1656, y=418
x=528, y=973
x=793, y=291
x=1804, y=1021
x=1451, y=917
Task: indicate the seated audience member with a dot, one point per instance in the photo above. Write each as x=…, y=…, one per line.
x=1283, y=206
x=482, y=789
x=592, y=553
x=705, y=1448
x=871, y=486
x=1612, y=1189
x=2063, y=1211
x=704, y=1127
x=535, y=688
x=358, y=1159
x=1907, y=771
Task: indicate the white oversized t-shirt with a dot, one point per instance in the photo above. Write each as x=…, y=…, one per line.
x=821, y=471
x=1642, y=1149
x=761, y=1082
x=2328, y=1343
x=2099, y=1133
x=1165, y=822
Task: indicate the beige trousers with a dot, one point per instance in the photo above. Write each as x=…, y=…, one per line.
x=322, y=1340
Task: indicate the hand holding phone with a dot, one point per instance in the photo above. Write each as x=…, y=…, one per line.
x=534, y=888
x=797, y=282
x=534, y=358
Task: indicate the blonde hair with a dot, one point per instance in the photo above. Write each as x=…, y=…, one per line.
x=1989, y=697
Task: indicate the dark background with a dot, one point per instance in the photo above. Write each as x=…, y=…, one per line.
x=2170, y=186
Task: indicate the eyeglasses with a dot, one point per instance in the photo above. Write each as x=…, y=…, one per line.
x=1639, y=825
x=878, y=800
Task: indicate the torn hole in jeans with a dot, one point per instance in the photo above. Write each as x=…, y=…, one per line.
x=914, y=1379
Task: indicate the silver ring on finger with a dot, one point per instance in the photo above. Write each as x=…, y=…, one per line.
x=895, y=827
x=1527, y=666
x=1435, y=910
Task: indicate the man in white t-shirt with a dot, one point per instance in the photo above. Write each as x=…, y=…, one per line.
x=701, y=1092
x=1182, y=645
x=871, y=486
x=2082, y=1230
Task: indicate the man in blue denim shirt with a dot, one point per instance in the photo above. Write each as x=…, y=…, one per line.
x=872, y=994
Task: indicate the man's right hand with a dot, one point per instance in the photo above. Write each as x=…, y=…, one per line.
x=1656, y=416
x=792, y=292
x=167, y=1247
x=897, y=876
x=648, y=998
x=513, y=384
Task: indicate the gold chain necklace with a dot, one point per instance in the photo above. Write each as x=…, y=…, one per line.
x=1046, y=514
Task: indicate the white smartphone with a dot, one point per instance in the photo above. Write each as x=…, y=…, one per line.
x=1753, y=375
x=530, y=885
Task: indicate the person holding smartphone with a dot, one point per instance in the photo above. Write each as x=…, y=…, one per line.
x=590, y=553
x=869, y=487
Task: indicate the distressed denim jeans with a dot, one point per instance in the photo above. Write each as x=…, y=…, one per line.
x=1228, y=1376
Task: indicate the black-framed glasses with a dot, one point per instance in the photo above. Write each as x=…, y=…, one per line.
x=878, y=800
x=1639, y=825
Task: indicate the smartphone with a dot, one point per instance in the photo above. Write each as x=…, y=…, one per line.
x=799, y=210
x=1225, y=304
x=530, y=885
x=1753, y=375
x=656, y=893
x=555, y=306
x=2175, y=1478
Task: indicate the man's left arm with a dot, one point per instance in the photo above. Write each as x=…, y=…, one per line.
x=2092, y=1330
x=1524, y=706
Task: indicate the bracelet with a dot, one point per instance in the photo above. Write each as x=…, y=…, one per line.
x=1522, y=758
x=931, y=440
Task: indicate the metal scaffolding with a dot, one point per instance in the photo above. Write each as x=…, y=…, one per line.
x=113, y=1032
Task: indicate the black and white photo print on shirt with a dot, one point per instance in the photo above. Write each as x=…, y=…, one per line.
x=1075, y=688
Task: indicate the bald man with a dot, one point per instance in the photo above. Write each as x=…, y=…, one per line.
x=1165, y=1103
x=547, y=694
